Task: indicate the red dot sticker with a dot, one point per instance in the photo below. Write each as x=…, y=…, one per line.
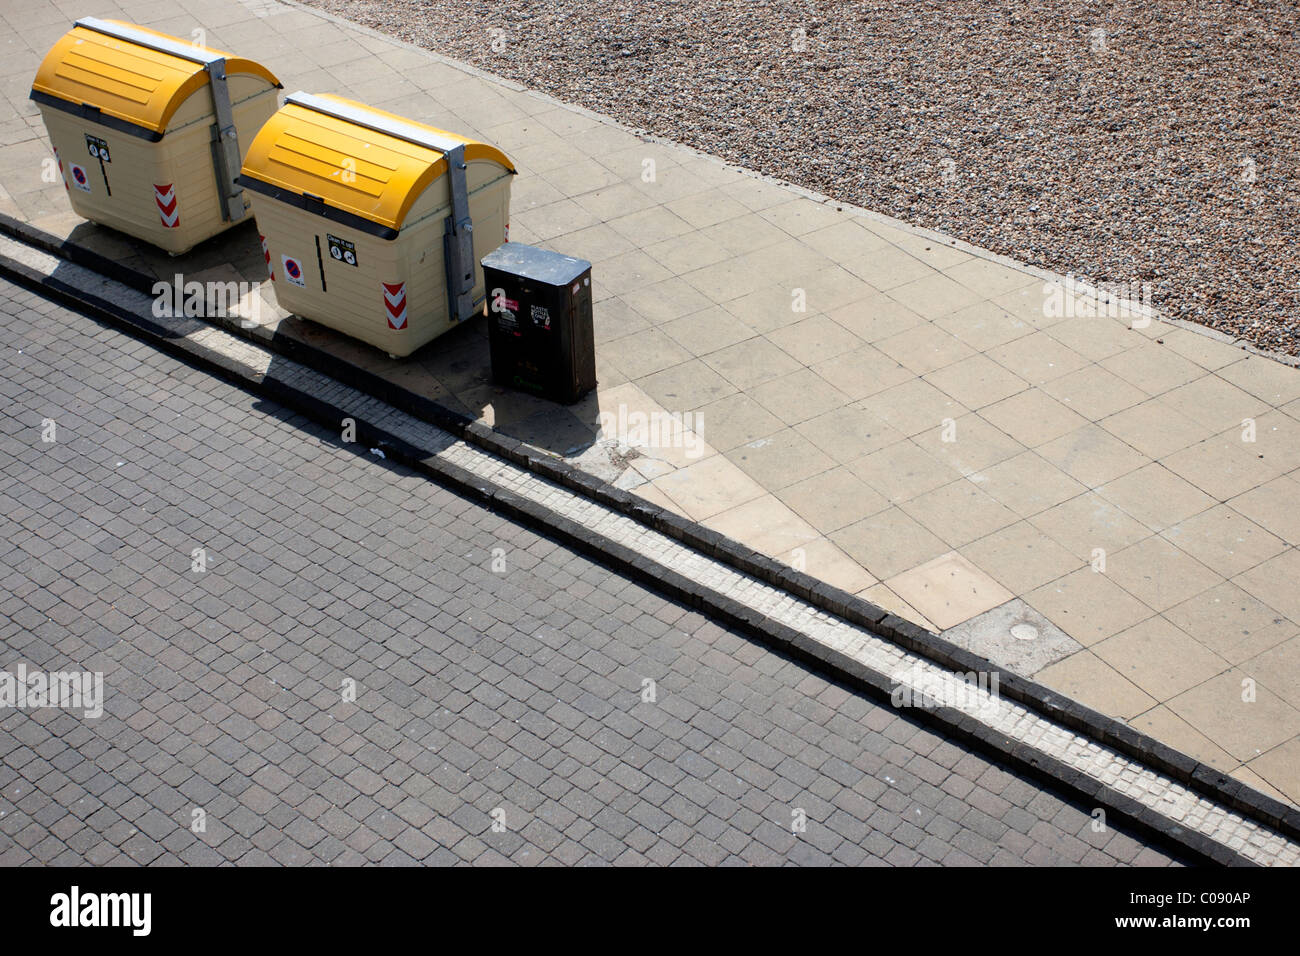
x=79, y=178
x=293, y=271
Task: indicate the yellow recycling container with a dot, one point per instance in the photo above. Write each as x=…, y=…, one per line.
x=147, y=129
x=372, y=224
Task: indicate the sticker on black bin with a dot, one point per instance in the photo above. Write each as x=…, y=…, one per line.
x=505, y=310
x=342, y=250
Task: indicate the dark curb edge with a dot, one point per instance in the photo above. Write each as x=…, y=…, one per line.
x=1192, y=774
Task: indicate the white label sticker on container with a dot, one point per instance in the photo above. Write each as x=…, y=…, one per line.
x=342, y=250
x=293, y=271
x=79, y=178
x=98, y=149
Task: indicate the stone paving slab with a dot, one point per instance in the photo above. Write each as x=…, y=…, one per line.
x=924, y=409
x=1035, y=738
x=500, y=711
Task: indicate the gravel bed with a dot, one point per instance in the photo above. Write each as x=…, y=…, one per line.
x=1160, y=150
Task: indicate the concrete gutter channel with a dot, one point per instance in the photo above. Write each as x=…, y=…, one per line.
x=88, y=283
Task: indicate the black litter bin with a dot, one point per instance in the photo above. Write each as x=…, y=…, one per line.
x=539, y=321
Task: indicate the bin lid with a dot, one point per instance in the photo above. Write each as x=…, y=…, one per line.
x=540, y=265
x=351, y=162
x=130, y=74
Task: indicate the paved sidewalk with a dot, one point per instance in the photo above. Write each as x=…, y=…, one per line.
x=1077, y=443
x=477, y=690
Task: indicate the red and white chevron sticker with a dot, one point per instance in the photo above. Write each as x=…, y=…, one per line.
x=165, y=198
x=266, y=254
x=64, y=176
x=395, y=304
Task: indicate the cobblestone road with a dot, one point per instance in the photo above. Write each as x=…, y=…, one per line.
x=499, y=712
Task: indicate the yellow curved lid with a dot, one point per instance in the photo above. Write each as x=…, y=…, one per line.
x=127, y=80
x=350, y=166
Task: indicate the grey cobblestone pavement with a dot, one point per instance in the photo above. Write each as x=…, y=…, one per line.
x=481, y=695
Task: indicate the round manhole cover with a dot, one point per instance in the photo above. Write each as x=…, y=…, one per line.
x=1024, y=632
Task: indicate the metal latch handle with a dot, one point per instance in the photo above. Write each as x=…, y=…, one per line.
x=225, y=143
x=459, y=240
